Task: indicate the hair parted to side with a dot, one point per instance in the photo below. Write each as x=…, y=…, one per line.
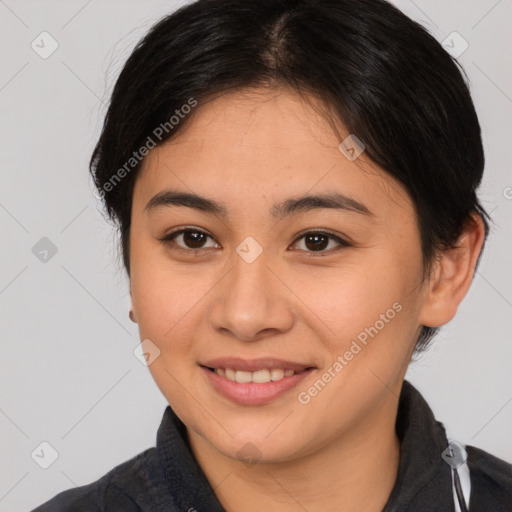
x=382, y=75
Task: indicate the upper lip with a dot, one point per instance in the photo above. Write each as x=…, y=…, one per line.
x=252, y=365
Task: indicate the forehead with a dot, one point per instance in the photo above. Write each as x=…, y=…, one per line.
x=260, y=144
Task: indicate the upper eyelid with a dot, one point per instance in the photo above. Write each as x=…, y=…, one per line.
x=169, y=237
x=321, y=231
x=182, y=230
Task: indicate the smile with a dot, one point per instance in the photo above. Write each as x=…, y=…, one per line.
x=260, y=376
x=253, y=382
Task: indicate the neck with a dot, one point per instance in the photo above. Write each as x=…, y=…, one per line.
x=355, y=472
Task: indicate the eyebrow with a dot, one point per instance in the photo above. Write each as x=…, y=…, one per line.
x=290, y=206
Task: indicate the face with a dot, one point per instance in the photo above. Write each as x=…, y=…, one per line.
x=250, y=280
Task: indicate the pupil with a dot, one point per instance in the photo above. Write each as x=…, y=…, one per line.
x=319, y=242
x=193, y=239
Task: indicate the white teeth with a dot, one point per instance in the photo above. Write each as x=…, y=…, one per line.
x=259, y=376
x=276, y=374
x=243, y=377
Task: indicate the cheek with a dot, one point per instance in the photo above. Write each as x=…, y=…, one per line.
x=159, y=293
x=169, y=308
x=371, y=317
x=166, y=304
x=371, y=309
x=165, y=300
x=352, y=297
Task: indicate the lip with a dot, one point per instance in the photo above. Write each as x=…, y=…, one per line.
x=253, y=393
x=252, y=365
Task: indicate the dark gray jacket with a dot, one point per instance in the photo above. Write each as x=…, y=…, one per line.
x=167, y=478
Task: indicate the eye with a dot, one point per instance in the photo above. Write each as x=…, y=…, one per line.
x=319, y=241
x=187, y=239
x=192, y=240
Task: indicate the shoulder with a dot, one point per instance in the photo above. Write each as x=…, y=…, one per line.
x=116, y=491
x=491, y=481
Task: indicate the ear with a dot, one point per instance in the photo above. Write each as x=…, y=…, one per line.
x=131, y=314
x=452, y=275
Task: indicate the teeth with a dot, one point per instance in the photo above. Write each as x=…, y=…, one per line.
x=276, y=374
x=243, y=377
x=259, y=376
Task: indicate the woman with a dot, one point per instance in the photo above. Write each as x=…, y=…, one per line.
x=295, y=188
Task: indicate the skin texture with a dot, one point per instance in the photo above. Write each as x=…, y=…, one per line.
x=250, y=150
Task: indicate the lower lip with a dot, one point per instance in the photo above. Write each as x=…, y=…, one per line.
x=253, y=393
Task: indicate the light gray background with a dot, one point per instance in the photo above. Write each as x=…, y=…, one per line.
x=68, y=374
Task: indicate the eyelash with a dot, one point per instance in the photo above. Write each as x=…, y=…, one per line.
x=167, y=240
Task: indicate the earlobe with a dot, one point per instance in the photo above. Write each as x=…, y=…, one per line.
x=131, y=314
x=452, y=275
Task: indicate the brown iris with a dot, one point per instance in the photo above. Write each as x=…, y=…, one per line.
x=194, y=239
x=316, y=242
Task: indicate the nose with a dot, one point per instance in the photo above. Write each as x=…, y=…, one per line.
x=252, y=301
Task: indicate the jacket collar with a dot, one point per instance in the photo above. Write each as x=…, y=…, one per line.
x=188, y=484
x=424, y=480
